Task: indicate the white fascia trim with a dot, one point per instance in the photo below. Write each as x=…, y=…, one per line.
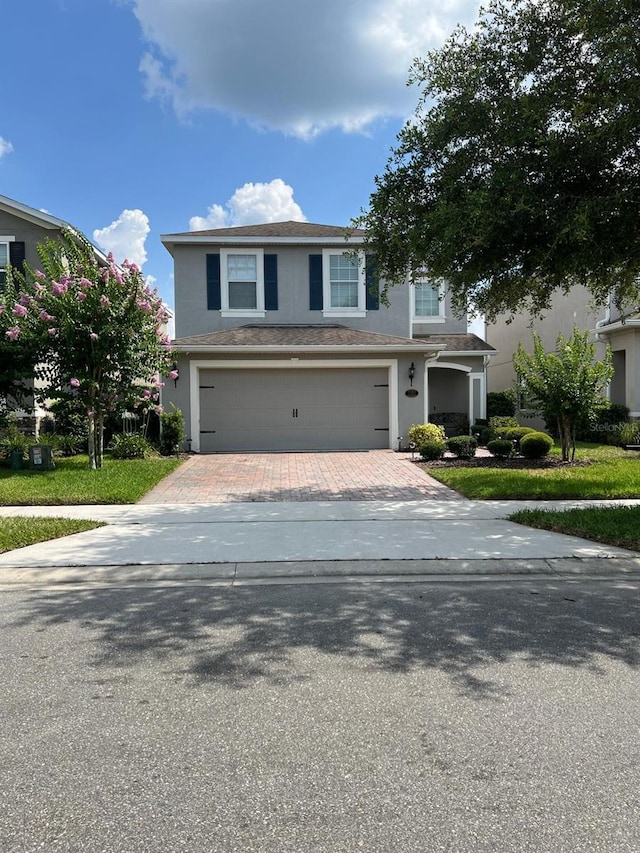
x=616, y=327
x=252, y=364
x=450, y=365
x=37, y=217
x=307, y=349
x=418, y=320
x=244, y=313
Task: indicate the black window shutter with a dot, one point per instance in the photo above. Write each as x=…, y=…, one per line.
x=372, y=284
x=17, y=255
x=271, y=282
x=315, y=282
x=214, y=299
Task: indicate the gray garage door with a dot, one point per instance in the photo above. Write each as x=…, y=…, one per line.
x=297, y=409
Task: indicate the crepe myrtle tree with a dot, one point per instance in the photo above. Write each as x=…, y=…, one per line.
x=99, y=329
x=567, y=386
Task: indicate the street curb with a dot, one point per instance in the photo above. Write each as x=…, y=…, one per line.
x=323, y=571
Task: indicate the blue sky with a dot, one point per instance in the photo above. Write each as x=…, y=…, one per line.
x=134, y=118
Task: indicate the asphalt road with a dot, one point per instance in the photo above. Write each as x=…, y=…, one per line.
x=488, y=716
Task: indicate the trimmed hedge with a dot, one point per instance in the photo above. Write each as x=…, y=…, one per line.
x=501, y=447
x=419, y=433
x=432, y=450
x=536, y=445
x=462, y=446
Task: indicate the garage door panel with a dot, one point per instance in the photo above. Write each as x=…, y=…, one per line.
x=294, y=409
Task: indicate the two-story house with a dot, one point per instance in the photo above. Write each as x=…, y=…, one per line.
x=284, y=344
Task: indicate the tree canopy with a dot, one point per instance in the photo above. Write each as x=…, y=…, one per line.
x=520, y=173
x=98, y=329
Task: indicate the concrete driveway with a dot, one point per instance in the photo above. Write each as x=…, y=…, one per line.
x=347, y=476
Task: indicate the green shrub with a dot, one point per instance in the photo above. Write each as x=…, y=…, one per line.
x=130, y=447
x=65, y=445
x=432, y=449
x=516, y=433
x=486, y=435
x=501, y=447
x=14, y=441
x=419, y=433
x=630, y=433
x=536, y=445
x=172, y=431
x=503, y=422
x=462, y=446
x=501, y=404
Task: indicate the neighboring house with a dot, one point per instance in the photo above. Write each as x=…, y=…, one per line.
x=283, y=344
x=21, y=229
x=609, y=326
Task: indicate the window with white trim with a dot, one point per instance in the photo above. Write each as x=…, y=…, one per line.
x=242, y=282
x=343, y=276
x=428, y=300
x=4, y=262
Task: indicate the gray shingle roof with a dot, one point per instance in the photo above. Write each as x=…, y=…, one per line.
x=275, y=229
x=462, y=342
x=297, y=336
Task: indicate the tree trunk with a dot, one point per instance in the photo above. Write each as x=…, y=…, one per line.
x=92, y=444
x=99, y=439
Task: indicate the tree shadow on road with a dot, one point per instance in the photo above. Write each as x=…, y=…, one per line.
x=236, y=636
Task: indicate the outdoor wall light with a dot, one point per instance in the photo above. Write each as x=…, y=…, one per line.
x=412, y=372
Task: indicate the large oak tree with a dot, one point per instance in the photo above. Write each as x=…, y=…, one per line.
x=520, y=173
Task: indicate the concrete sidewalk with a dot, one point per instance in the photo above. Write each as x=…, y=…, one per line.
x=236, y=542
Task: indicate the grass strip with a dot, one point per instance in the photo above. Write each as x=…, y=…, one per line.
x=119, y=481
x=21, y=531
x=615, y=525
x=612, y=473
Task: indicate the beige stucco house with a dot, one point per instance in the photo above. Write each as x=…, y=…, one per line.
x=608, y=326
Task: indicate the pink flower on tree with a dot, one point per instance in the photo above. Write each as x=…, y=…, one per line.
x=84, y=283
x=40, y=274
x=52, y=332
x=159, y=410
x=14, y=333
x=81, y=296
x=75, y=383
x=46, y=318
x=19, y=310
x=59, y=288
x=104, y=301
x=93, y=336
x=25, y=299
x=173, y=374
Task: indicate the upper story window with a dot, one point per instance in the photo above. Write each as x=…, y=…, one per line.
x=428, y=301
x=242, y=280
x=344, y=292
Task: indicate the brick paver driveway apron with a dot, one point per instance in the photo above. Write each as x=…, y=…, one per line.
x=342, y=476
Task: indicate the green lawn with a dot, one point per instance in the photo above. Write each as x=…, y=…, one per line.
x=616, y=525
x=122, y=481
x=613, y=473
x=19, y=532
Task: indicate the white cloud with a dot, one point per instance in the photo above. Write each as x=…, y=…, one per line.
x=5, y=147
x=250, y=204
x=125, y=237
x=299, y=67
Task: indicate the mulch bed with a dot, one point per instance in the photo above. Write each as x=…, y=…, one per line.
x=492, y=462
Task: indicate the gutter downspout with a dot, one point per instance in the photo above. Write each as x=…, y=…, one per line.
x=606, y=320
